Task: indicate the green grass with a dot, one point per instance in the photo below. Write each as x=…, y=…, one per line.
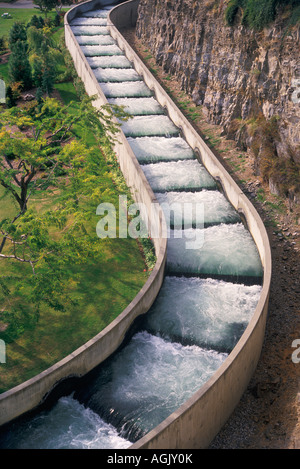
x=18, y=14
x=67, y=91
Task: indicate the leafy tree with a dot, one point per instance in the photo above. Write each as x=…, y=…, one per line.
x=44, y=57
x=48, y=160
x=45, y=5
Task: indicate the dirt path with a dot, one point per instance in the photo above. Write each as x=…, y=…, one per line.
x=268, y=415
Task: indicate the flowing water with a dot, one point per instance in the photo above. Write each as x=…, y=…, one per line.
x=137, y=106
x=208, y=297
x=178, y=176
x=180, y=208
x=126, y=89
x=161, y=149
x=116, y=61
x=110, y=75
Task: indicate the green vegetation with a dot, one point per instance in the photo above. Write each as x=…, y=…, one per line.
x=257, y=14
x=21, y=15
x=59, y=283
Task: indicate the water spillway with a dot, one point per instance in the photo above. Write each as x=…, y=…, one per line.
x=210, y=292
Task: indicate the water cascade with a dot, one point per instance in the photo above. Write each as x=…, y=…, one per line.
x=209, y=294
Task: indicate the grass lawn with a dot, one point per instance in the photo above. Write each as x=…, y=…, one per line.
x=19, y=14
x=106, y=287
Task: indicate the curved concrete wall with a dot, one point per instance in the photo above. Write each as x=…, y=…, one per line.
x=33, y=392
x=196, y=422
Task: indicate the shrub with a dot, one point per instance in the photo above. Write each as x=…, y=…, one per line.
x=19, y=66
x=17, y=33
x=259, y=13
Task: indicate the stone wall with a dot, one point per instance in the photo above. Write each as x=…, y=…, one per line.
x=246, y=81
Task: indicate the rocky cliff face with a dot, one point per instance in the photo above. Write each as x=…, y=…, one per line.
x=246, y=81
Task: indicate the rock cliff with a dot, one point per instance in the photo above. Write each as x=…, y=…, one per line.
x=247, y=81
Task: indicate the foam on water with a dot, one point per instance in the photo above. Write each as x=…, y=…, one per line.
x=138, y=106
x=221, y=250
x=88, y=21
x=116, y=75
x=210, y=313
x=158, y=149
x=69, y=425
x=148, y=380
x=178, y=175
x=140, y=126
x=116, y=61
x=185, y=208
x=126, y=89
x=95, y=13
x=95, y=40
x=99, y=50
x=89, y=30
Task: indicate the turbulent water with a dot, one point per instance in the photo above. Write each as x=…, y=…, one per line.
x=69, y=425
x=224, y=249
x=99, y=50
x=113, y=75
x=126, y=89
x=178, y=175
x=142, y=126
x=205, y=312
x=137, y=106
x=136, y=393
x=181, y=208
x=116, y=61
x=203, y=307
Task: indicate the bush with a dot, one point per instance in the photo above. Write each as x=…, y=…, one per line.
x=258, y=13
x=19, y=66
x=36, y=21
x=17, y=33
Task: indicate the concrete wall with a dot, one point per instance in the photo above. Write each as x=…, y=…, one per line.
x=33, y=392
x=197, y=422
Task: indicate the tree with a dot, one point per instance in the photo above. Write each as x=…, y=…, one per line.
x=36, y=21
x=44, y=156
x=10, y=99
x=44, y=57
x=45, y=5
x=19, y=66
x=17, y=33
x=48, y=5
x=59, y=4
